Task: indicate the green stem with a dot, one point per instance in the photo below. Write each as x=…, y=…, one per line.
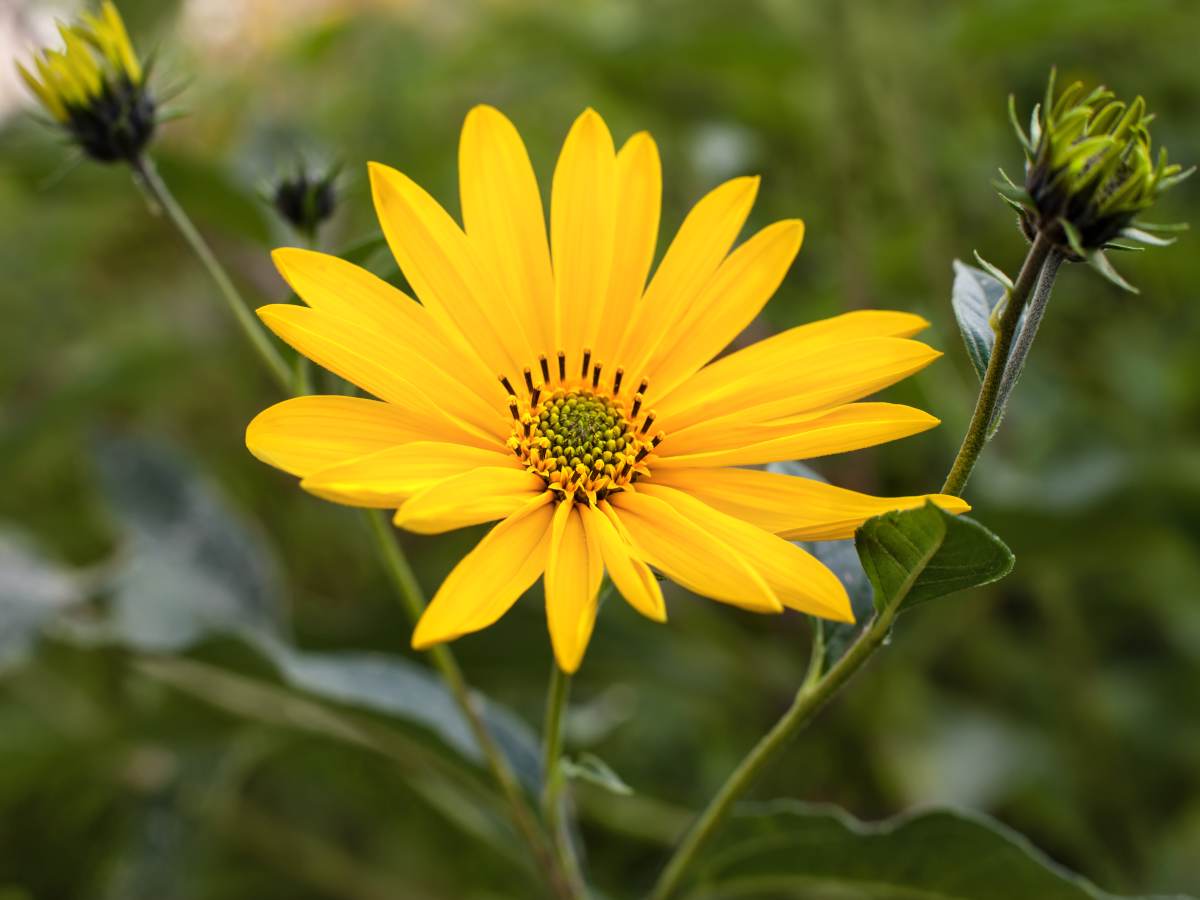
x=404, y=580
x=816, y=689
x=267, y=351
x=296, y=381
x=808, y=701
x=989, y=395
x=553, y=802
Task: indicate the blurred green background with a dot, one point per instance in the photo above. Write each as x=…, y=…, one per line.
x=1064, y=700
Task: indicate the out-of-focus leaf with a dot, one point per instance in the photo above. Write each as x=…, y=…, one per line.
x=916, y=555
x=974, y=297
x=33, y=590
x=789, y=849
x=592, y=769
x=842, y=559
x=396, y=687
x=190, y=565
x=445, y=785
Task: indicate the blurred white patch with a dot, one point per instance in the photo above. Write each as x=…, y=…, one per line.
x=722, y=150
x=25, y=26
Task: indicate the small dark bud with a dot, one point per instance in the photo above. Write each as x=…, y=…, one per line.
x=304, y=200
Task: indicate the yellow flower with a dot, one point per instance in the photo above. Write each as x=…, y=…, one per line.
x=94, y=86
x=545, y=385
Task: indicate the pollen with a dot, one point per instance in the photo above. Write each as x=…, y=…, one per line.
x=583, y=437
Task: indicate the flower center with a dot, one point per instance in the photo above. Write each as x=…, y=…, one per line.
x=582, y=438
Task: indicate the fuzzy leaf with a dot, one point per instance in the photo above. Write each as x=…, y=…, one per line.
x=791, y=849
x=974, y=296
x=921, y=554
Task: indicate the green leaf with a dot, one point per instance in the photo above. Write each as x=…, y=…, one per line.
x=920, y=554
x=592, y=769
x=33, y=590
x=788, y=849
x=190, y=565
x=974, y=296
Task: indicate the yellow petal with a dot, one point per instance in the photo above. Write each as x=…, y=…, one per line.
x=385, y=478
x=350, y=292
x=582, y=228
x=469, y=498
x=702, y=242
x=799, y=509
x=573, y=573
x=837, y=430
x=782, y=349
x=689, y=555
x=502, y=212
x=639, y=204
x=741, y=287
x=382, y=367
x=440, y=264
x=489, y=579
x=305, y=434
x=827, y=376
x=631, y=576
x=797, y=578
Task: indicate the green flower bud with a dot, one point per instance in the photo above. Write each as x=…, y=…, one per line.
x=95, y=87
x=1089, y=173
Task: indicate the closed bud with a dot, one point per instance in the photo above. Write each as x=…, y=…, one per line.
x=95, y=87
x=305, y=200
x=1090, y=171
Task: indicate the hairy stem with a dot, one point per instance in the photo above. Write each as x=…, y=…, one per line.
x=295, y=380
x=1040, y=266
x=552, y=793
x=404, y=580
x=276, y=365
x=989, y=394
x=813, y=695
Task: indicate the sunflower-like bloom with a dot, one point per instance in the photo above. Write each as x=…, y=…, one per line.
x=544, y=385
x=95, y=87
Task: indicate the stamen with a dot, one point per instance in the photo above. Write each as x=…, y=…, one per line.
x=596, y=375
x=649, y=421
x=637, y=405
x=642, y=387
x=528, y=380
x=507, y=385
x=617, y=380
x=562, y=366
x=587, y=361
x=534, y=396
x=545, y=364
x=512, y=408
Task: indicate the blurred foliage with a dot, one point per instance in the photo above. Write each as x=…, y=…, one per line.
x=1061, y=700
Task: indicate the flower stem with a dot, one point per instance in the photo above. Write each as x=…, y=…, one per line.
x=146, y=171
x=990, y=394
x=296, y=381
x=1040, y=266
x=812, y=695
x=552, y=791
x=404, y=580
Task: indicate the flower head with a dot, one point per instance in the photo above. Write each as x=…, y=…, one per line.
x=1089, y=172
x=305, y=200
x=94, y=87
x=550, y=386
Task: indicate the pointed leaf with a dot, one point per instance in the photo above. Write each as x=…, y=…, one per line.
x=791, y=849
x=592, y=769
x=920, y=554
x=974, y=296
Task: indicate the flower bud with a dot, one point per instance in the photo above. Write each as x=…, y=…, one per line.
x=94, y=87
x=305, y=201
x=1089, y=172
